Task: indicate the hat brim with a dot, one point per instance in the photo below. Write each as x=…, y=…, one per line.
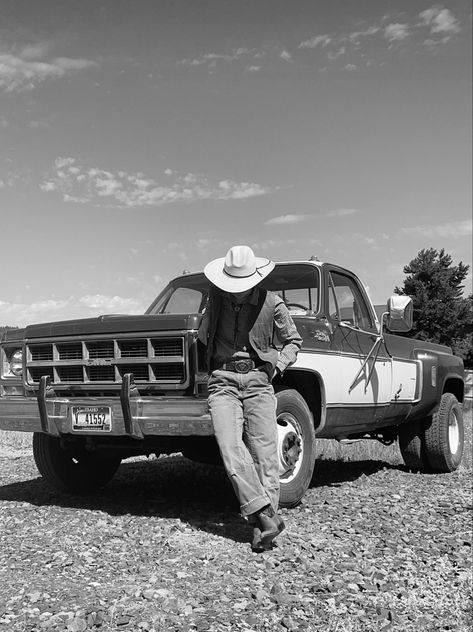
x=214, y=271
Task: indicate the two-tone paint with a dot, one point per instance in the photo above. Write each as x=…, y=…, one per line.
x=350, y=390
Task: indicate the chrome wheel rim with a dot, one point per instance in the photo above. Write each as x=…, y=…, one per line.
x=290, y=447
x=453, y=432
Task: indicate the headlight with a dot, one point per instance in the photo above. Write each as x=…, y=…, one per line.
x=16, y=363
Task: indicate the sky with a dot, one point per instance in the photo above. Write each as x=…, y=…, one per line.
x=141, y=138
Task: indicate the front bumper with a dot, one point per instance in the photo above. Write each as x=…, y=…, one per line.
x=132, y=415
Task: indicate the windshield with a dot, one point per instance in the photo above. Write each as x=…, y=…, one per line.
x=296, y=283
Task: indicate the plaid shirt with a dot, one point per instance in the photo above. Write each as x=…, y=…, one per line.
x=287, y=334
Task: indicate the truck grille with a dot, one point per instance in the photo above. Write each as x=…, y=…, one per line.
x=95, y=362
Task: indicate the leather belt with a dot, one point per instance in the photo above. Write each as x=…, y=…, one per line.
x=240, y=366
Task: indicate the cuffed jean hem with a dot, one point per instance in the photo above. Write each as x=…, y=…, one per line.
x=254, y=505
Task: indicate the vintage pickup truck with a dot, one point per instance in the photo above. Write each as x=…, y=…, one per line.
x=98, y=390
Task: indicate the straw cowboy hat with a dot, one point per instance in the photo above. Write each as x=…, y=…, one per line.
x=239, y=270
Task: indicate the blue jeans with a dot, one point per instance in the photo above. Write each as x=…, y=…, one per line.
x=243, y=411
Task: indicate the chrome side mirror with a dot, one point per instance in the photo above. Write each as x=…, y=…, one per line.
x=399, y=314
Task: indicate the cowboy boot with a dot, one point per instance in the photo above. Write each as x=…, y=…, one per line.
x=270, y=526
x=256, y=542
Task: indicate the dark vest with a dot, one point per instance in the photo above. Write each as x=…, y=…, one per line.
x=261, y=326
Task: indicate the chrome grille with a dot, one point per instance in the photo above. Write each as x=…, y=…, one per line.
x=100, y=349
x=171, y=370
x=167, y=347
x=72, y=351
x=37, y=372
x=133, y=349
x=101, y=373
x=153, y=360
x=70, y=374
x=41, y=352
x=140, y=371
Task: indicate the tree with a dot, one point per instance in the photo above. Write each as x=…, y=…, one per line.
x=4, y=328
x=441, y=313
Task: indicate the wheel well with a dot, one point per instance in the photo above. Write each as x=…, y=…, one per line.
x=309, y=386
x=454, y=386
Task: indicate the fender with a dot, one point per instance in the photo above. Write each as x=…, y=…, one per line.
x=310, y=384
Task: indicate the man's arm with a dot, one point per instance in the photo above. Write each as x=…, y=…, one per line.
x=287, y=334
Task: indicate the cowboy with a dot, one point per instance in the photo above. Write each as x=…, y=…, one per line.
x=238, y=328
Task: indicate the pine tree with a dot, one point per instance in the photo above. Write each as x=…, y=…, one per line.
x=441, y=313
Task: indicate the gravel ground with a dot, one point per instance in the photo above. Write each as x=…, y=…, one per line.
x=373, y=547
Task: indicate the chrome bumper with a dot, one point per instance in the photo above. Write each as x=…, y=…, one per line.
x=132, y=415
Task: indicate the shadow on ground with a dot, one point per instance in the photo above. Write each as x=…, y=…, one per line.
x=176, y=488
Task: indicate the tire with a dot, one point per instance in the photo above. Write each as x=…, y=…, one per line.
x=72, y=470
x=412, y=446
x=444, y=436
x=296, y=446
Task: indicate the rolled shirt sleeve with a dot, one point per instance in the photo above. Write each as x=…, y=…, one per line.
x=287, y=334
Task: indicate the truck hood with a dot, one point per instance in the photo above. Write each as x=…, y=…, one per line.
x=114, y=324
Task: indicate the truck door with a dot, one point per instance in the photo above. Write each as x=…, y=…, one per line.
x=364, y=395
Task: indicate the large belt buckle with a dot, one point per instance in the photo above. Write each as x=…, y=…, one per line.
x=243, y=366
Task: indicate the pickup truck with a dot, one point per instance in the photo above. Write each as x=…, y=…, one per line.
x=95, y=391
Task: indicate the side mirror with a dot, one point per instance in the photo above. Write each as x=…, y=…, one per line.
x=399, y=314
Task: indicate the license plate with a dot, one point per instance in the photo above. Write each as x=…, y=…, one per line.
x=92, y=418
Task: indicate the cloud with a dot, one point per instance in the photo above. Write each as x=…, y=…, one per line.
x=439, y=20
x=317, y=40
x=80, y=184
x=8, y=177
x=211, y=59
x=336, y=54
x=356, y=36
x=396, y=32
x=453, y=230
x=22, y=314
x=32, y=65
x=342, y=212
x=250, y=56
x=388, y=31
x=287, y=219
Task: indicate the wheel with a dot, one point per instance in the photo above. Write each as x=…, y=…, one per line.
x=411, y=444
x=444, y=435
x=72, y=469
x=296, y=446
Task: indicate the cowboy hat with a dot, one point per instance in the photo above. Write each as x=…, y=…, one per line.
x=239, y=270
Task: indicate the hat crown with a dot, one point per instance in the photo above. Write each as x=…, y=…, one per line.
x=239, y=270
x=240, y=261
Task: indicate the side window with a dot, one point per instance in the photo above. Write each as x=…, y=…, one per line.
x=332, y=302
x=184, y=300
x=347, y=304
